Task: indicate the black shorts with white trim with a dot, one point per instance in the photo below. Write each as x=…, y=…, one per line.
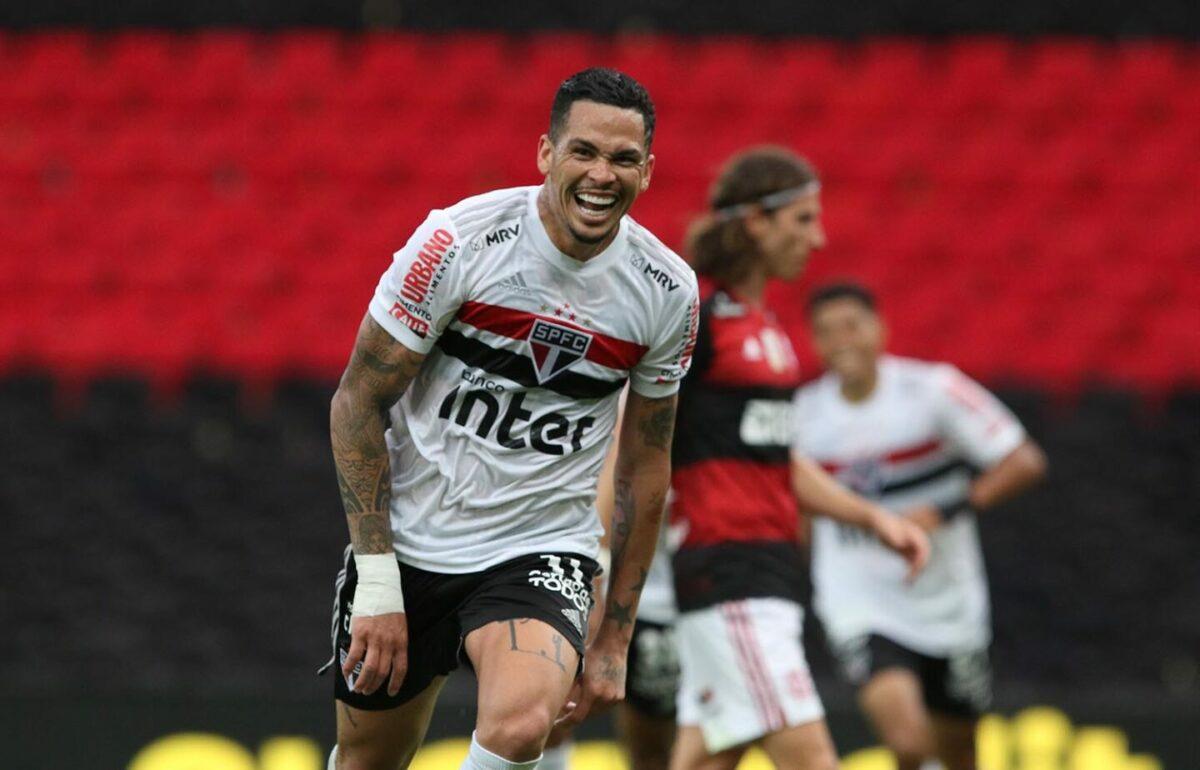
x=959, y=684
x=652, y=676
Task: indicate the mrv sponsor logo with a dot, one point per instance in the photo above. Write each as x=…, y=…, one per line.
x=658, y=275
x=496, y=237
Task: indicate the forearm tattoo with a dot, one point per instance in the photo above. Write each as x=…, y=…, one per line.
x=378, y=373
x=658, y=426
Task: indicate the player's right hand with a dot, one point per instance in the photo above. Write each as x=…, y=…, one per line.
x=380, y=642
x=905, y=538
x=601, y=685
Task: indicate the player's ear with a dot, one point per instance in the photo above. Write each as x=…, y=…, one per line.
x=755, y=222
x=545, y=154
x=646, y=174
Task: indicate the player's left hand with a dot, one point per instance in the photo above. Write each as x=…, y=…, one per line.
x=905, y=538
x=601, y=685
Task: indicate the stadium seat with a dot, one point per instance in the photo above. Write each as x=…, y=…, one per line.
x=1041, y=734
x=252, y=164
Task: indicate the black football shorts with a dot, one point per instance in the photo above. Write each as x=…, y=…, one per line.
x=441, y=609
x=957, y=685
x=652, y=676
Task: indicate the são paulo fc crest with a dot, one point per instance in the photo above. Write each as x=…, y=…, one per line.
x=864, y=476
x=555, y=348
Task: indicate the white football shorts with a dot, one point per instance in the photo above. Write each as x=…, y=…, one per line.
x=742, y=671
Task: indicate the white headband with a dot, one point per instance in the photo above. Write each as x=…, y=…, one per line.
x=769, y=201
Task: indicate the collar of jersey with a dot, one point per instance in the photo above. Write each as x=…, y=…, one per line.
x=550, y=252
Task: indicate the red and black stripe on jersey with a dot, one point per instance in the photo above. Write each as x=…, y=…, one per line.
x=731, y=473
x=515, y=324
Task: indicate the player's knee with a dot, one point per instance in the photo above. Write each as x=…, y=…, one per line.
x=518, y=735
x=910, y=752
x=909, y=743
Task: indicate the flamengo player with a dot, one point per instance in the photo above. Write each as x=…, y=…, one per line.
x=744, y=678
x=468, y=431
x=910, y=435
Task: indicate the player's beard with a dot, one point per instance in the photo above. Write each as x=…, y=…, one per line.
x=591, y=240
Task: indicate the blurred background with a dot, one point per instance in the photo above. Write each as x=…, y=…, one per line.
x=197, y=198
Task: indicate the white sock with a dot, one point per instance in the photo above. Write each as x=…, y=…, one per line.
x=479, y=758
x=332, y=759
x=556, y=758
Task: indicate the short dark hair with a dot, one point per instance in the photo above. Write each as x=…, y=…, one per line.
x=840, y=290
x=603, y=86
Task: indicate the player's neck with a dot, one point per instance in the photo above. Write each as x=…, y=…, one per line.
x=750, y=290
x=857, y=391
x=561, y=237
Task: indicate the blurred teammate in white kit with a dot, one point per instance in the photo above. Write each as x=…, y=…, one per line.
x=924, y=440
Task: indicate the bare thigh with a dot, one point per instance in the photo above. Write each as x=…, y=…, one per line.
x=893, y=703
x=955, y=741
x=525, y=669
x=801, y=747
x=689, y=752
x=646, y=739
x=384, y=740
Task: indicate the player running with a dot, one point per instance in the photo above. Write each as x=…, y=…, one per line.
x=911, y=435
x=468, y=431
x=738, y=569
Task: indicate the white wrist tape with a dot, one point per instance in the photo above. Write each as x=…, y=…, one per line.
x=378, y=591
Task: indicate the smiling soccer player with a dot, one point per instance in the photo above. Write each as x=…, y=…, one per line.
x=468, y=431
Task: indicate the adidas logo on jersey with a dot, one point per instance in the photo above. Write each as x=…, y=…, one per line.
x=516, y=282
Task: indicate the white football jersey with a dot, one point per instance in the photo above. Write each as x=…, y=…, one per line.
x=918, y=439
x=496, y=445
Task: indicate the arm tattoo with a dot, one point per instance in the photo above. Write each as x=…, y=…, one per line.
x=621, y=614
x=655, y=423
x=624, y=514
x=379, y=370
x=638, y=586
x=657, y=427
x=374, y=532
x=611, y=670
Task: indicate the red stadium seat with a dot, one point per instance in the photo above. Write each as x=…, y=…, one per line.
x=254, y=185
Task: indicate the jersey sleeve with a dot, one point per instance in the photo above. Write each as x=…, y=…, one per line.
x=422, y=290
x=668, y=360
x=982, y=428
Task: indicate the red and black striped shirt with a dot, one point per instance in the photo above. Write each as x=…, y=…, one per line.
x=730, y=458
